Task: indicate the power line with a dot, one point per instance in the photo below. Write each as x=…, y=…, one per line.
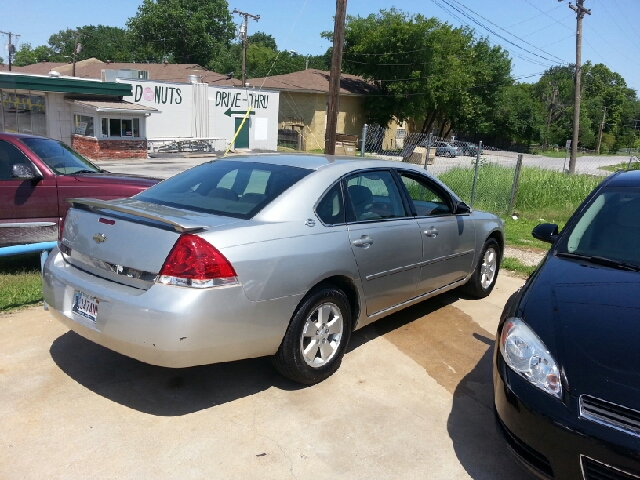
x=536, y=16
x=11, y=46
x=507, y=40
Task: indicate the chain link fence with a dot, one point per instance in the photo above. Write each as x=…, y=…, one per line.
x=485, y=177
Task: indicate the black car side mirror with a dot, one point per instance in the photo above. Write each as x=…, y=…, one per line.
x=546, y=232
x=462, y=209
x=24, y=171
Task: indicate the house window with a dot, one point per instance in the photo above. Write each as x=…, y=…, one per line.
x=83, y=125
x=121, y=127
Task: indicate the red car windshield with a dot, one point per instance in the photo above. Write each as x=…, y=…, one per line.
x=58, y=157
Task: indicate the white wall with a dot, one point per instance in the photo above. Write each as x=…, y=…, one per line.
x=226, y=104
x=179, y=116
x=59, y=117
x=173, y=100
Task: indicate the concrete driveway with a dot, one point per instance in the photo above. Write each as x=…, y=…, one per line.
x=412, y=400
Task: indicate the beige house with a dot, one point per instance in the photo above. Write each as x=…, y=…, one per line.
x=304, y=98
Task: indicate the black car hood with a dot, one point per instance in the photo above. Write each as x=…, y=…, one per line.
x=588, y=316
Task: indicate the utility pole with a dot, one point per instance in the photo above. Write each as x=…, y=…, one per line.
x=77, y=48
x=334, y=78
x=580, y=13
x=11, y=47
x=243, y=34
x=604, y=115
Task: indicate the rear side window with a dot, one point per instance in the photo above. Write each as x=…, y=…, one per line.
x=373, y=195
x=331, y=208
x=228, y=188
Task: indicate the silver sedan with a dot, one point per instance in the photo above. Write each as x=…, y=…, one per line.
x=281, y=255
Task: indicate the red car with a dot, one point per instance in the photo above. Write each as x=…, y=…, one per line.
x=38, y=175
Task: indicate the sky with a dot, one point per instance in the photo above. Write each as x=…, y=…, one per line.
x=537, y=33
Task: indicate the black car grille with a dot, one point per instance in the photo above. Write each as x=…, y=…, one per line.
x=527, y=455
x=610, y=414
x=594, y=470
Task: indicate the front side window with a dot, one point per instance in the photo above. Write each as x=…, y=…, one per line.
x=426, y=198
x=374, y=195
x=608, y=227
x=10, y=156
x=228, y=188
x=58, y=157
x=83, y=125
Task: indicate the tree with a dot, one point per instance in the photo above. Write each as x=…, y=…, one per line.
x=185, y=31
x=27, y=55
x=518, y=116
x=425, y=70
x=261, y=38
x=101, y=42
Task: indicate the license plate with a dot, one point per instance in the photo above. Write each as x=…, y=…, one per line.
x=85, y=306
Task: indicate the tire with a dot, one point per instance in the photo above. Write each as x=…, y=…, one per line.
x=313, y=346
x=485, y=274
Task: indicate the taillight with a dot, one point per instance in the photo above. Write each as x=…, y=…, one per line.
x=194, y=262
x=63, y=248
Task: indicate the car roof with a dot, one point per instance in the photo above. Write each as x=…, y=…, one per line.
x=316, y=162
x=626, y=178
x=20, y=135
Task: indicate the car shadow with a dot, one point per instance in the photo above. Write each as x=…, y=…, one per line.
x=457, y=353
x=157, y=390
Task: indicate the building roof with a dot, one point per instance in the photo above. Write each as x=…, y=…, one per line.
x=41, y=68
x=42, y=83
x=315, y=81
x=113, y=106
x=167, y=72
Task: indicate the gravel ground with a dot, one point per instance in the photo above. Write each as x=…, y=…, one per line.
x=526, y=257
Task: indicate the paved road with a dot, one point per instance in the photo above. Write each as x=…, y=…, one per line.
x=165, y=167
x=412, y=400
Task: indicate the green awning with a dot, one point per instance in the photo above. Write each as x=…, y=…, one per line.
x=63, y=84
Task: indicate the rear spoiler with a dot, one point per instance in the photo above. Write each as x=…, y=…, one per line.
x=95, y=205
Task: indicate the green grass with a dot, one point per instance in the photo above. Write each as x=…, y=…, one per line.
x=558, y=154
x=544, y=196
x=20, y=281
x=621, y=166
x=515, y=266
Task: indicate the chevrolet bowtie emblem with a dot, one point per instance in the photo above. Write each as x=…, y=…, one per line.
x=99, y=238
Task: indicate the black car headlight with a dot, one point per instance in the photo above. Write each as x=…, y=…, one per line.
x=527, y=355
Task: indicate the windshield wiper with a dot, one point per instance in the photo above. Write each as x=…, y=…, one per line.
x=607, y=262
x=86, y=171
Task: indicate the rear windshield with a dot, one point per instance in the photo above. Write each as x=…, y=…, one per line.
x=228, y=188
x=58, y=157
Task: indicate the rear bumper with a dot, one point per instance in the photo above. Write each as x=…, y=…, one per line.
x=167, y=325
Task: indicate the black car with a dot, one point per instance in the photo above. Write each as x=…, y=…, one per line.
x=567, y=357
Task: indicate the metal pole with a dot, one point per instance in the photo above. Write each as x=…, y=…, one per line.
x=429, y=141
x=475, y=174
x=514, y=187
x=364, y=139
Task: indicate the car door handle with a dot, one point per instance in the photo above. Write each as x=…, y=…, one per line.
x=364, y=241
x=432, y=232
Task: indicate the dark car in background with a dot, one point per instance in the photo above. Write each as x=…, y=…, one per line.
x=38, y=175
x=466, y=148
x=567, y=357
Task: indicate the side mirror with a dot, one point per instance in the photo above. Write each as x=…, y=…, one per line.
x=546, y=232
x=462, y=209
x=24, y=171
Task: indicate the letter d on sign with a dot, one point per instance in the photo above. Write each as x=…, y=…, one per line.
x=138, y=95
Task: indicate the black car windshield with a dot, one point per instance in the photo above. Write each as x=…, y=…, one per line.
x=229, y=188
x=58, y=157
x=607, y=229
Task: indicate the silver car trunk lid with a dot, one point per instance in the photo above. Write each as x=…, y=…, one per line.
x=127, y=241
